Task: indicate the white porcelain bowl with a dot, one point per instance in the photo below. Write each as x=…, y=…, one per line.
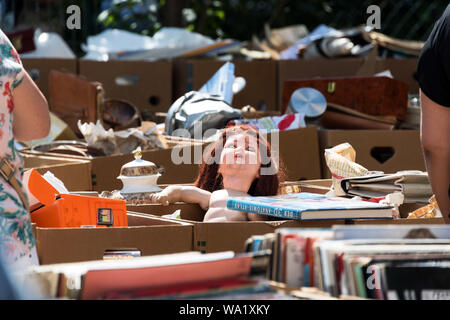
x=138, y=184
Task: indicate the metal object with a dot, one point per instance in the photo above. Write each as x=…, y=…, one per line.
x=307, y=101
x=120, y=114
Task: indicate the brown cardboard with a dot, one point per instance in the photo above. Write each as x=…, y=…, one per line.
x=401, y=69
x=220, y=236
x=260, y=77
x=75, y=176
x=149, y=234
x=321, y=186
x=301, y=162
x=40, y=68
x=105, y=170
x=189, y=210
x=406, y=208
x=404, y=143
x=299, y=152
x=37, y=160
x=314, y=68
x=146, y=84
x=326, y=183
x=223, y=236
x=402, y=221
x=74, y=173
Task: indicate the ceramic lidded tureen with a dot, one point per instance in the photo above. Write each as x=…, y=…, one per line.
x=139, y=176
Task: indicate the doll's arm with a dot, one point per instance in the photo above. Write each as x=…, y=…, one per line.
x=188, y=194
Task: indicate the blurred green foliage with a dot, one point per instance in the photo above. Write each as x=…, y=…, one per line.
x=241, y=19
x=132, y=15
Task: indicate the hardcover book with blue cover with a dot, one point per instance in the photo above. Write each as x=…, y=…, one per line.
x=310, y=206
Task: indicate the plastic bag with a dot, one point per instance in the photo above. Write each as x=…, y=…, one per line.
x=168, y=42
x=49, y=45
x=198, y=114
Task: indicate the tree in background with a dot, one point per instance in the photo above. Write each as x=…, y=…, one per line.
x=139, y=16
x=236, y=19
x=241, y=19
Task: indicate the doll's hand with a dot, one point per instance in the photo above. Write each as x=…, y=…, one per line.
x=160, y=197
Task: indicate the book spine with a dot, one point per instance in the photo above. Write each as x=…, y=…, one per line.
x=264, y=209
x=294, y=269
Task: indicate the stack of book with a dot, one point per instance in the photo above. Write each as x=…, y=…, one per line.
x=385, y=262
x=188, y=275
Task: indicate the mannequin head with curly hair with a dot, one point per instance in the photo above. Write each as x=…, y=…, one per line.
x=240, y=152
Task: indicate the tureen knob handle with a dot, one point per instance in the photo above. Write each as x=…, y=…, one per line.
x=137, y=153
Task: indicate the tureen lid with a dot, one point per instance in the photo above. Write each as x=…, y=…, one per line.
x=138, y=166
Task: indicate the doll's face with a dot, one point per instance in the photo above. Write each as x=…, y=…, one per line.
x=240, y=156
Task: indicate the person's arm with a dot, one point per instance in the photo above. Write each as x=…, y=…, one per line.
x=435, y=137
x=31, y=118
x=188, y=194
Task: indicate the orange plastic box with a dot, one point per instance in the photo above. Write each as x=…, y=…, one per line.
x=54, y=209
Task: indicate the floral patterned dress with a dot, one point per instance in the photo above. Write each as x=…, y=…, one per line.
x=17, y=243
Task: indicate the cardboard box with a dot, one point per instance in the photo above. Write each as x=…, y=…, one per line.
x=36, y=160
x=39, y=69
x=149, y=234
x=401, y=69
x=406, y=208
x=146, y=84
x=105, y=170
x=188, y=209
x=401, y=221
x=222, y=236
x=314, y=68
x=299, y=153
x=75, y=173
x=377, y=150
x=321, y=186
x=301, y=162
x=260, y=77
x=76, y=176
